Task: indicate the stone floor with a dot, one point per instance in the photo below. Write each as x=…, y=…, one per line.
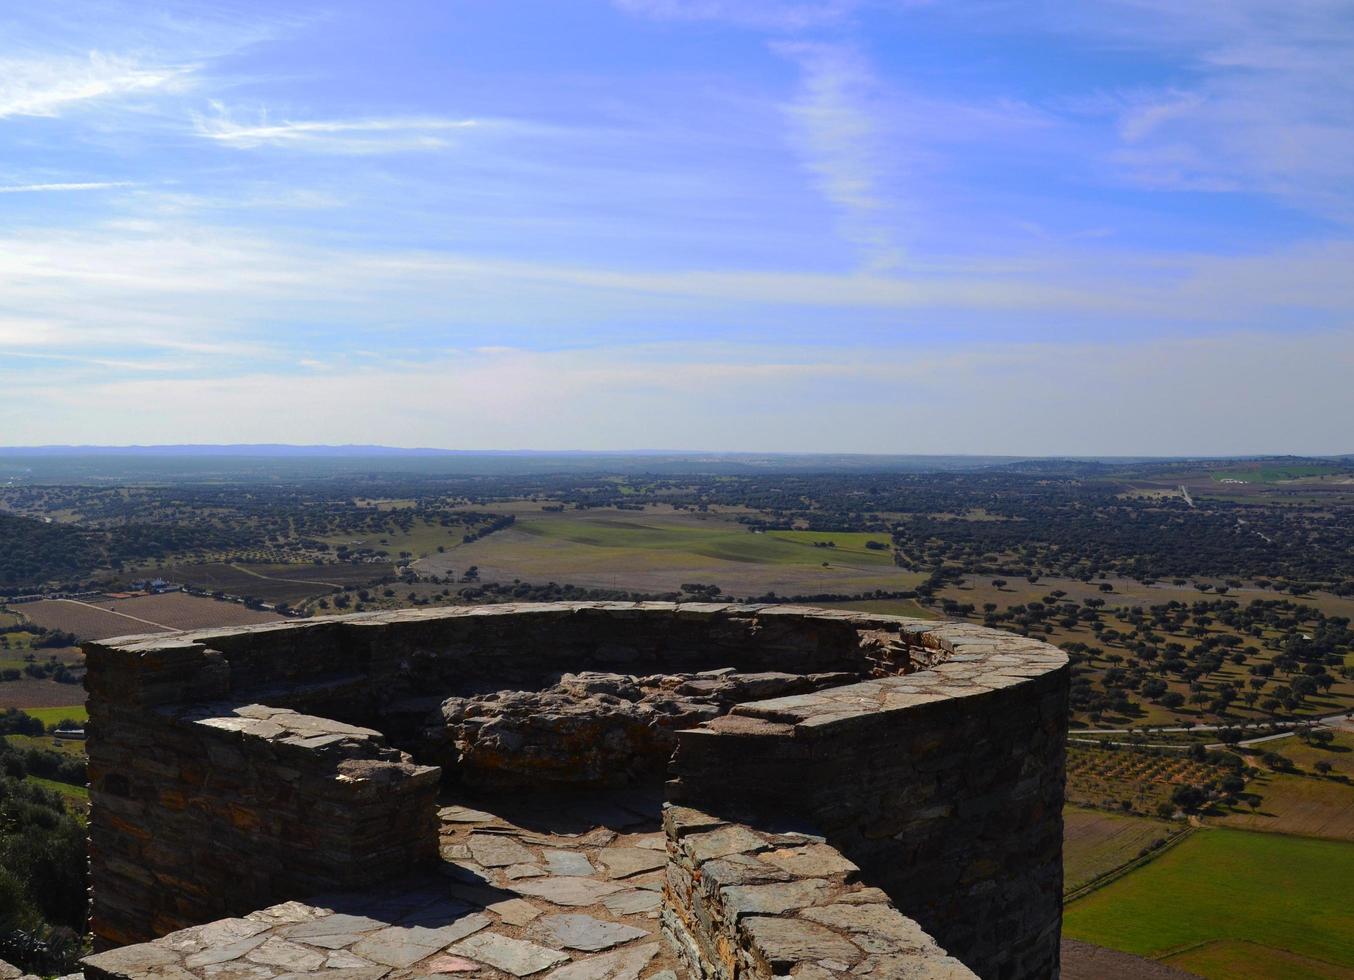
x=549, y=886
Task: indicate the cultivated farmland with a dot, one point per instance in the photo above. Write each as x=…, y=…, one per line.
x=1096, y=843
x=1243, y=902
x=100, y=619
x=659, y=552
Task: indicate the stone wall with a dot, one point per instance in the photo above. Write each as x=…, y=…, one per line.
x=235, y=768
x=214, y=808
x=745, y=902
x=944, y=785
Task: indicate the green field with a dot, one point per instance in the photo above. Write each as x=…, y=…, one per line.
x=720, y=540
x=1275, y=474
x=659, y=552
x=69, y=747
x=50, y=716
x=1288, y=894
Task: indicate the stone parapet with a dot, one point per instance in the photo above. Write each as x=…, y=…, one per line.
x=214, y=809
x=742, y=902
x=235, y=768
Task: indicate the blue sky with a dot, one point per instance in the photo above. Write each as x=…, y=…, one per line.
x=896, y=226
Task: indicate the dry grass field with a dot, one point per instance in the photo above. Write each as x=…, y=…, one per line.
x=101, y=619
x=1306, y=802
x=275, y=582
x=1096, y=843
x=181, y=611
x=33, y=693
x=658, y=552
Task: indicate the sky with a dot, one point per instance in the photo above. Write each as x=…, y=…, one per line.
x=962, y=226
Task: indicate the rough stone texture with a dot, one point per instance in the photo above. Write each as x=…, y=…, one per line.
x=594, y=728
x=738, y=915
x=944, y=785
x=235, y=768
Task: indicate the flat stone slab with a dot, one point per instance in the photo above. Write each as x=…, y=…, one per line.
x=568, y=863
x=515, y=956
x=637, y=902
x=773, y=899
x=623, y=964
x=568, y=891
x=622, y=862
x=786, y=942
x=515, y=911
x=726, y=840
x=497, y=851
x=402, y=946
x=576, y=931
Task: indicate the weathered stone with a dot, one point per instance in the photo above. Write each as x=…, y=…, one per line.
x=494, y=851
x=401, y=946
x=575, y=931
x=623, y=964
x=782, y=943
x=812, y=860
x=635, y=902
x=515, y=956
x=450, y=964
x=622, y=862
x=775, y=898
x=568, y=891
x=332, y=925
x=515, y=911
x=286, y=955
x=726, y=840
x=515, y=871
x=877, y=921
x=568, y=863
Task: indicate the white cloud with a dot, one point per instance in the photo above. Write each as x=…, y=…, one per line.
x=836, y=132
x=96, y=185
x=384, y=135
x=1262, y=101
x=48, y=86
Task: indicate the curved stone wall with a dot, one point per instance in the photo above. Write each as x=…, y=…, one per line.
x=938, y=772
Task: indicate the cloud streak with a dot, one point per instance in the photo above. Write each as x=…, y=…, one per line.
x=94, y=185
x=47, y=87
x=385, y=135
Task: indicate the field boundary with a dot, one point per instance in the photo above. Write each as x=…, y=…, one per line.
x=1133, y=865
x=1190, y=947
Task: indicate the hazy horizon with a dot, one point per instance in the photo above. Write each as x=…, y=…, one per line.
x=858, y=226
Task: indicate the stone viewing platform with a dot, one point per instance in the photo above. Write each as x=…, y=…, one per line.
x=579, y=791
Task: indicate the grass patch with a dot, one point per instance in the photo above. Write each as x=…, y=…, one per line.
x=1234, y=958
x=1287, y=893
x=78, y=795
x=718, y=540
x=51, y=716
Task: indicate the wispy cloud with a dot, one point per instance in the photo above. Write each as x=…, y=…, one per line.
x=384, y=135
x=93, y=185
x=49, y=86
x=836, y=131
x=1263, y=103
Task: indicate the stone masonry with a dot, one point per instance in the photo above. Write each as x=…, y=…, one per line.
x=851, y=795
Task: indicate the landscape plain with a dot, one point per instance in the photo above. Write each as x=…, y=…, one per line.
x=1210, y=807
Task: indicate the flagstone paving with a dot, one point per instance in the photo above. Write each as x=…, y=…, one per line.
x=547, y=887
